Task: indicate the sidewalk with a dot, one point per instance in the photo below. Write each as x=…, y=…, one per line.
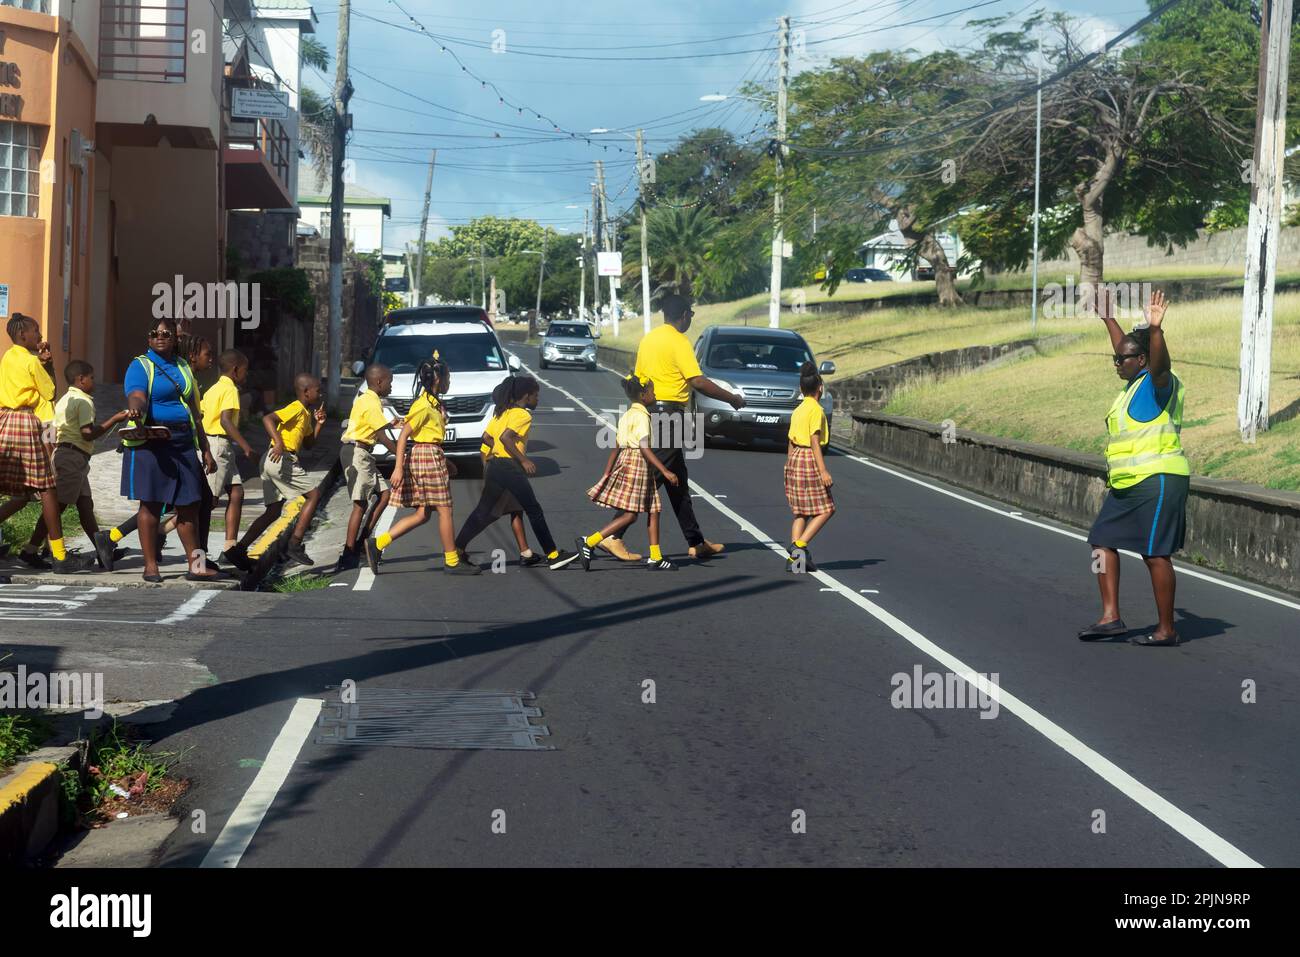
x=111, y=508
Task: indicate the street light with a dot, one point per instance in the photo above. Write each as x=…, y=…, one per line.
x=645, y=251
x=541, y=272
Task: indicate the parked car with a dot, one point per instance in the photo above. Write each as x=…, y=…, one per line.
x=867, y=274
x=463, y=338
x=569, y=342
x=924, y=274
x=763, y=366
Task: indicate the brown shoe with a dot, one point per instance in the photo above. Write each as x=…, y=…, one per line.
x=616, y=548
x=705, y=550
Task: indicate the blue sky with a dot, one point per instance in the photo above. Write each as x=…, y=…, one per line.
x=578, y=64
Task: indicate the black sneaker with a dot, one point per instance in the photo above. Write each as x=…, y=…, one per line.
x=72, y=565
x=238, y=556
x=462, y=568
x=584, y=552
x=104, y=551
x=372, y=555
x=560, y=560
x=806, y=553
x=33, y=560
x=348, y=561
x=296, y=552
x=532, y=560
x=662, y=565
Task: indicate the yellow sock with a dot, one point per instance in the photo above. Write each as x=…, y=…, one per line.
x=57, y=549
x=655, y=554
x=451, y=558
x=384, y=540
x=594, y=539
x=115, y=535
x=554, y=554
x=799, y=544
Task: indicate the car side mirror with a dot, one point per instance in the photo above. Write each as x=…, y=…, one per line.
x=358, y=367
x=826, y=368
x=514, y=363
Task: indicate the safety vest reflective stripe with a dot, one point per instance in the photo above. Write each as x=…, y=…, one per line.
x=1136, y=451
x=187, y=380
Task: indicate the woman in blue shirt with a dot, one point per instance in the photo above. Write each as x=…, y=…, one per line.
x=160, y=390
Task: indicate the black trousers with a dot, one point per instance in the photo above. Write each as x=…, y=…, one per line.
x=679, y=495
x=502, y=476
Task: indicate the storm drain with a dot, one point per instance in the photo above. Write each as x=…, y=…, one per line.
x=434, y=719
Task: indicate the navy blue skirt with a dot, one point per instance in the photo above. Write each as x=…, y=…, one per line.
x=1149, y=518
x=164, y=471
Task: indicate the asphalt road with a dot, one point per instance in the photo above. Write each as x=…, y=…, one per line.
x=772, y=694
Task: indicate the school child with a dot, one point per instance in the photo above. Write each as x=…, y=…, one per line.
x=506, y=504
x=422, y=475
x=291, y=429
x=807, y=483
x=76, y=432
x=508, y=469
x=25, y=467
x=220, y=412
x=367, y=425
x=627, y=485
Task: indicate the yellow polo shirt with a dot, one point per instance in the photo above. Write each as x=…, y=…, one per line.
x=633, y=427
x=426, y=419
x=295, y=425
x=366, y=419
x=521, y=420
x=222, y=397
x=71, y=412
x=24, y=383
x=665, y=357
x=807, y=418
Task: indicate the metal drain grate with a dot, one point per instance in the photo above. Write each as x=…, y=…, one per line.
x=434, y=719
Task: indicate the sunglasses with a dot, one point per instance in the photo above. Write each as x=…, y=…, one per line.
x=164, y=334
x=1120, y=357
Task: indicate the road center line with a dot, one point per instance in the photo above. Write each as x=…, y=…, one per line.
x=192, y=606
x=233, y=841
x=1191, y=829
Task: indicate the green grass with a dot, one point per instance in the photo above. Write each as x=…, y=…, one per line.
x=1060, y=397
x=18, y=529
x=113, y=755
x=291, y=584
x=20, y=734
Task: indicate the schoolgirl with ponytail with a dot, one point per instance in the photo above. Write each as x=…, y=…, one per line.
x=422, y=475
x=807, y=483
x=507, y=504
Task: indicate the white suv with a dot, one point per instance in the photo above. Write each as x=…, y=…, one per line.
x=464, y=339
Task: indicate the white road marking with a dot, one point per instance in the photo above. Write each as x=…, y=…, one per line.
x=1183, y=569
x=233, y=841
x=192, y=606
x=25, y=600
x=1191, y=829
x=365, y=577
x=562, y=408
x=869, y=591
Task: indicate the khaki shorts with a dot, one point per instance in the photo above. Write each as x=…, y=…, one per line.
x=362, y=474
x=227, y=473
x=71, y=474
x=285, y=479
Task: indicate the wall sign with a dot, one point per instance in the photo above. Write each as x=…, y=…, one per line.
x=11, y=104
x=258, y=104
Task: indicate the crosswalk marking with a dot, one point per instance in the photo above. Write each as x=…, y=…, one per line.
x=64, y=603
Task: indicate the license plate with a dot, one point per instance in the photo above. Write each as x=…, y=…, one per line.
x=767, y=419
x=449, y=435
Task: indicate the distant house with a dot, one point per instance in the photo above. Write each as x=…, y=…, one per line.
x=364, y=213
x=889, y=250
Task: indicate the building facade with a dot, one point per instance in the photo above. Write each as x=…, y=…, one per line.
x=364, y=215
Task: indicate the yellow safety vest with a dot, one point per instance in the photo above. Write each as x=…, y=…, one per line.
x=1138, y=450
x=187, y=379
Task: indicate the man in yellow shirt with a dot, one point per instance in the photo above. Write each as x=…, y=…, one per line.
x=666, y=358
x=26, y=383
x=291, y=429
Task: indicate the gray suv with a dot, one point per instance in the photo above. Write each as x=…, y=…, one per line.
x=569, y=342
x=763, y=366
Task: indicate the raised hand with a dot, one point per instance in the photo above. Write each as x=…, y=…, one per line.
x=1155, y=310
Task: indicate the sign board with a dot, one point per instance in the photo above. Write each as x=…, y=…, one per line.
x=609, y=264
x=4, y=300
x=258, y=104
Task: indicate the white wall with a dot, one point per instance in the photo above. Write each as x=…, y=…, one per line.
x=365, y=225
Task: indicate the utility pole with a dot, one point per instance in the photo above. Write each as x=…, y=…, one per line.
x=482, y=279
x=778, y=233
x=595, y=247
x=424, y=226
x=1265, y=216
x=492, y=299
x=609, y=241
x=342, y=123
x=645, y=246
x=1038, y=159
x=541, y=274
x=582, y=270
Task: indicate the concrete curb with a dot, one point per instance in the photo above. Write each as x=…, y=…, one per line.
x=29, y=803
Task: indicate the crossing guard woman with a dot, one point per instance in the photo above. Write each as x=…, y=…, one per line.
x=1148, y=475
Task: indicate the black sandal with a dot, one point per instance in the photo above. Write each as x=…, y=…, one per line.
x=1150, y=641
x=153, y=579
x=1108, y=630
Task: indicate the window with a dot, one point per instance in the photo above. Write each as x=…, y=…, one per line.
x=325, y=224
x=472, y=352
x=20, y=164
x=734, y=352
x=36, y=6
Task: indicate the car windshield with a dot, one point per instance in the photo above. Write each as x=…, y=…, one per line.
x=477, y=352
x=576, y=330
x=733, y=352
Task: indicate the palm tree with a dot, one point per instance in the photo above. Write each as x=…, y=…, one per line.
x=679, y=238
x=315, y=112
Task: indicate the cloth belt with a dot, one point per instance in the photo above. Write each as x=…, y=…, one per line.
x=667, y=407
x=69, y=445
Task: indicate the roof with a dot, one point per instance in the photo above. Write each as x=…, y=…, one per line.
x=433, y=329
x=298, y=10
x=758, y=332
x=353, y=195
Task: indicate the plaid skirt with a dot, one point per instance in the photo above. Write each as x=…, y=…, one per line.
x=629, y=486
x=424, y=477
x=803, y=485
x=24, y=462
